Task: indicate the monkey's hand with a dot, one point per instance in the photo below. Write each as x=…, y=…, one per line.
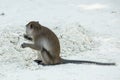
x=24, y=45
x=28, y=38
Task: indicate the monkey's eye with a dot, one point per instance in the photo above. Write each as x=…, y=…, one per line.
x=31, y=26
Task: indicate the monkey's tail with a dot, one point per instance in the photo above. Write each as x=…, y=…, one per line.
x=65, y=61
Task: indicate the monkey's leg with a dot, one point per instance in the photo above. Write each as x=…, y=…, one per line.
x=47, y=59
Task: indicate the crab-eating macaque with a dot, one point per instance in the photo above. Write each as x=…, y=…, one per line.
x=46, y=42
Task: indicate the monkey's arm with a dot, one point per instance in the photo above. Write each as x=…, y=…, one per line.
x=28, y=38
x=24, y=45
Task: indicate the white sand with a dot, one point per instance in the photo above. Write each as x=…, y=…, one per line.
x=87, y=30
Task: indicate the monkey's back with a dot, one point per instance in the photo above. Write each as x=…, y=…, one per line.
x=50, y=40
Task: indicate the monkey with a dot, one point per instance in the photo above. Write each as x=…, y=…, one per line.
x=45, y=41
x=47, y=44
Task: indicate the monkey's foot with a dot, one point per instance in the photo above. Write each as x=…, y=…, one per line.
x=38, y=62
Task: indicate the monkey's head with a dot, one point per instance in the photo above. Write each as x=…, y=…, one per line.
x=32, y=28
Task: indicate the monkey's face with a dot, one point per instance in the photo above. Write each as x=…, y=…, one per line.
x=29, y=30
x=32, y=28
